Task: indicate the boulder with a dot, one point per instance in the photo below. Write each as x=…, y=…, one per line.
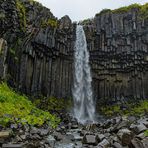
x=58, y=136
x=137, y=143
x=138, y=128
x=117, y=145
x=145, y=142
x=5, y=134
x=104, y=144
x=90, y=139
x=125, y=136
x=13, y=145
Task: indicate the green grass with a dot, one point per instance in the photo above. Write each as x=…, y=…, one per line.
x=16, y=108
x=143, y=10
x=138, y=109
x=54, y=104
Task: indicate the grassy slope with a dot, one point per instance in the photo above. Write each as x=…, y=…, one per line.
x=143, y=10
x=16, y=108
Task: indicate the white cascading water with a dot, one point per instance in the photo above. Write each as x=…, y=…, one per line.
x=84, y=105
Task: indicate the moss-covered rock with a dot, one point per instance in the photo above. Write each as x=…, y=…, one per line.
x=16, y=108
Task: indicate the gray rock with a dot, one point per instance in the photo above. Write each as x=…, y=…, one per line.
x=117, y=145
x=138, y=128
x=125, y=136
x=36, y=137
x=5, y=134
x=101, y=137
x=145, y=142
x=12, y=145
x=34, y=130
x=90, y=139
x=58, y=136
x=43, y=132
x=50, y=140
x=104, y=144
x=137, y=143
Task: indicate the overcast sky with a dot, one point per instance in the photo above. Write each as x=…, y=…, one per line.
x=83, y=9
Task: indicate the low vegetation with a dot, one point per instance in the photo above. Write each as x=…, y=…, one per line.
x=143, y=9
x=16, y=108
x=53, y=104
x=137, y=109
x=49, y=23
x=22, y=14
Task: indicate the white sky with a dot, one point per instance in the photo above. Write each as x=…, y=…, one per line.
x=83, y=9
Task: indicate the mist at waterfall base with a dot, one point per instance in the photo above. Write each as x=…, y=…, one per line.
x=84, y=104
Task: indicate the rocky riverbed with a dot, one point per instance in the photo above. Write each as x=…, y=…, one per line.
x=117, y=132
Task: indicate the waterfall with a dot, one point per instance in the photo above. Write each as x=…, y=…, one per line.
x=84, y=105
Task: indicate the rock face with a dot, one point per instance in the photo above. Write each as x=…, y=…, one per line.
x=118, y=45
x=36, y=52
x=40, y=49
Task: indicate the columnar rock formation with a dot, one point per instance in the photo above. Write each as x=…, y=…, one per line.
x=36, y=51
x=118, y=44
x=40, y=48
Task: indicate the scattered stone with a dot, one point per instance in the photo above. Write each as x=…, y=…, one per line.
x=141, y=136
x=137, y=143
x=90, y=139
x=101, y=137
x=44, y=132
x=117, y=145
x=36, y=137
x=58, y=136
x=125, y=136
x=104, y=144
x=50, y=140
x=138, y=128
x=5, y=134
x=145, y=142
x=75, y=126
x=12, y=145
x=34, y=130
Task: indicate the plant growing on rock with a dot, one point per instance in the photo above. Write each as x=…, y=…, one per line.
x=50, y=22
x=16, y=108
x=22, y=14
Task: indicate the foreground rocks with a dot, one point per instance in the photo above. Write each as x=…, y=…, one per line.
x=70, y=134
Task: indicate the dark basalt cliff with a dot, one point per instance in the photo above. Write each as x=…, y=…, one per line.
x=36, y=51
x=118, y=45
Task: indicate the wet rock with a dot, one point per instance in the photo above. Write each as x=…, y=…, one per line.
x=131, y=118
x=13, y=145
x=145, y=142
x=43, y=132
x=34, y=130
x=137, y=143
x=104, y=144
x=138, y=128
x=101, y=137
x=75, y=126
x=36, y=137
x=23, y=137
x=50, y=140
x=117, y=145
x=141, y=136
x=90, y=139
x=58, y=136
x=125, y=136
x=5, y=134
